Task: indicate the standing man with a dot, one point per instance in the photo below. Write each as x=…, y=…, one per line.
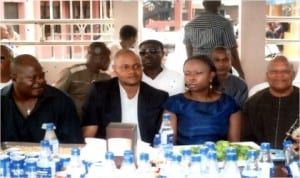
x=156, y=74
x=229, y=84
x=270, y=113
x=209, y=30
x=128, y=37
x=124, y=98
x=29, y=102
x=76, y=80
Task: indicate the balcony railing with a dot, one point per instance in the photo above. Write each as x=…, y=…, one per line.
x=71, y=34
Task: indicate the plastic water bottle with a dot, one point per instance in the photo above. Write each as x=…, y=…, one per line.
x=203, y=153
x=109, y=166
x=210, y=145
x=212, y=165
x=291, y=159
x=176, y=167
x=166, y=132
x=144, y=167
x=186, y=157
x=231, y=170
x=75, y=169
x=265, y=162
x=51, y=137
x=128, y=168
x=45, y=164
x=158, y=152
x=194, y=169
x=30, y=167
x=17, y=166
x=166, y=168
x=251, y=170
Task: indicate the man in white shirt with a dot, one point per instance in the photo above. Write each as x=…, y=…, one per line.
x=124, y=98
x=156, y=74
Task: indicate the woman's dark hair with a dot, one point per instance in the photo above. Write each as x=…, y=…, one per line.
x=206, y=60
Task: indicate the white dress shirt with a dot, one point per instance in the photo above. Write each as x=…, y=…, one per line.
x=167, y=80
x=129, y=109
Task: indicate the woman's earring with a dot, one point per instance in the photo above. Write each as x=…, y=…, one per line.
x=210, y=85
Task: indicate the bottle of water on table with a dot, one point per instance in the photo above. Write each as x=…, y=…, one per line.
x=251, y=170
x=166, y=133
x=265, y=162
x=45, y=164
x=51, y=137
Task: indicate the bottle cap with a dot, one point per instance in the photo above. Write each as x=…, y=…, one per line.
x=176, y=158
x=75, y=152
x=212, y=155
x=186, y=152
x=128, y=158
x=203, y=150
x=211, y=145
x=196, y=158
x=230, y=150
x=109, y=155
x=48, y=126
x=287, y=143
x=144, y=156
x=252, y=154
x=156, y=140
x=265, y=146
x=166, y=116
x=168, y=154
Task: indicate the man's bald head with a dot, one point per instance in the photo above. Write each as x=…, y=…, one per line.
x=24, y=60
x=28, y=76
x=282, y=59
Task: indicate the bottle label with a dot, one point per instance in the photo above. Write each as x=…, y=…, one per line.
x=167, y=137
x=17, y=172
x=267, y=170
x=44, y=172
x=293, y=167
x=54, y=146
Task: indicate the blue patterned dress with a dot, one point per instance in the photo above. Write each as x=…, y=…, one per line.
x=198, y=122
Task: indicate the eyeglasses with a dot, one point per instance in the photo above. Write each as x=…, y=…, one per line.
x=152, y=51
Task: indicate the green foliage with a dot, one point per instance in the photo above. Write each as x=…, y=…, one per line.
x=221, y=146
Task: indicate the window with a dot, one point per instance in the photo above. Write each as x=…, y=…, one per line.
x=45, y=14
x=282, y=29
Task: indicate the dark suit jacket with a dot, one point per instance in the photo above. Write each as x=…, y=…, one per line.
x=103, y=105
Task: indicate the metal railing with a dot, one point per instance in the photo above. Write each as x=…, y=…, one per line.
x=71, y=33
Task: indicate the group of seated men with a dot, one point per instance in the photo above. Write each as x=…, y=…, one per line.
x=85, y=99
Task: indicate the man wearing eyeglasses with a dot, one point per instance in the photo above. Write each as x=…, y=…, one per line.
x=125, y=99
x=76, y=80
x=6, y=58
x=155, y=73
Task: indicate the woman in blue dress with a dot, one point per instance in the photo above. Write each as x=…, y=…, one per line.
x=202, y=113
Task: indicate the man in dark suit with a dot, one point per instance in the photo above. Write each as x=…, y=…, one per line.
x=123, y=99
